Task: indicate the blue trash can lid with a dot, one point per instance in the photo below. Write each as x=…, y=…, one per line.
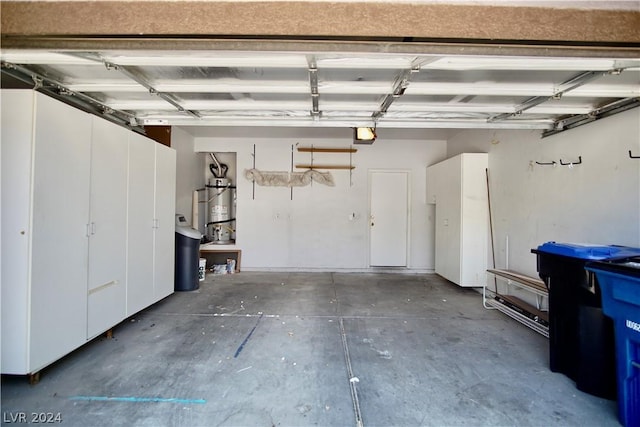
x=588, y=251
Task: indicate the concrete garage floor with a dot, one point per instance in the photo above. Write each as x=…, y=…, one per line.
x=299, y=349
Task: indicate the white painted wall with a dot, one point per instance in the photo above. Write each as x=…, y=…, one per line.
x=189, y=167
x=595, y=202
x=314, y=230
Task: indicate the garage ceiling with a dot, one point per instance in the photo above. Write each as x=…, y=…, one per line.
x=334, y=89
x=391, y=64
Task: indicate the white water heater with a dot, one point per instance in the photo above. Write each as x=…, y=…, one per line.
x=220, y=210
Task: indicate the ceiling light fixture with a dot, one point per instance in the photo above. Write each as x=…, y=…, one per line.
x=364, y=135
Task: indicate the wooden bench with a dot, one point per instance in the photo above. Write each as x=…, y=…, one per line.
x=535, y=284
x=515, y=307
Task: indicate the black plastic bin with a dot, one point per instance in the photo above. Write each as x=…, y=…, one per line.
x=187, y=258
x=581, y=337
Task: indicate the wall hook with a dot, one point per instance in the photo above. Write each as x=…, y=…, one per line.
x=571, y=163
x=553, y=163
x=632, y=156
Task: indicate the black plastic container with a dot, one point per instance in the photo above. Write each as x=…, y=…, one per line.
x=187, y=259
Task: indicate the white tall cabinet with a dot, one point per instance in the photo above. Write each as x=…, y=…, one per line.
x=151, y=216
x=66, y=177
x=458, y=188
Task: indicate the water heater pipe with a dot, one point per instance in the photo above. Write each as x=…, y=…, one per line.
x=195, y=213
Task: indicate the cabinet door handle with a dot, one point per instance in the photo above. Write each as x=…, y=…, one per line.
x=93, y=228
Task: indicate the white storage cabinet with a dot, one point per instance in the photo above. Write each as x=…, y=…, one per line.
x=65, y=181
x=458, y=188
x=151, y=216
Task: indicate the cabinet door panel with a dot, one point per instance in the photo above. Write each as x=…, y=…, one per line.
x=165, y=205
x=107, y=244
x=453, y=203
x=140, y=215
x=60, y=217
x=448, y=220
x=17, y=129
x=475, y=220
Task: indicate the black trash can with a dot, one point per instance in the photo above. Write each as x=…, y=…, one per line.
x=581, y=337
x=187, y=258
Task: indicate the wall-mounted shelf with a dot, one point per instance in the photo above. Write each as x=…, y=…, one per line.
x=339, y=150
x=514, y=307
x=310, y=166
x=326, y=150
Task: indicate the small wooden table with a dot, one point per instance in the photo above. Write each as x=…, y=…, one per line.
x=218, y=254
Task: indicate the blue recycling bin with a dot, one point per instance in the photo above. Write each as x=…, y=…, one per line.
x=581, y=337
x=620, y=284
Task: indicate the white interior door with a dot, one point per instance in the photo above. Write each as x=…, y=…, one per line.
x=388, y=219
